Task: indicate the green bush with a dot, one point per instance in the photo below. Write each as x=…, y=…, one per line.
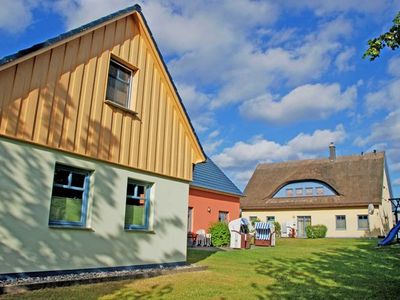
x=277, y=229
x=254, y=220
x=316, y=231
x=220, y=235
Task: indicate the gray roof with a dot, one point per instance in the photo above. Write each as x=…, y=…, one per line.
x=357, y=180
x=208, y=176
x=91, y=25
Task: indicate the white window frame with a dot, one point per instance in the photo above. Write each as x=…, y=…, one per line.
x=358, y=223
x=132, y=73
x=345, y=222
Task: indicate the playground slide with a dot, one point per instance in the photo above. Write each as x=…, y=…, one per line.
x=391, y=235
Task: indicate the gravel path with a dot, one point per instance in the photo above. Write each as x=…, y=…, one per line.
x=87, y=276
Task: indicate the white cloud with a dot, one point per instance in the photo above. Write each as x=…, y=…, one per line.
x=263, y=150
x=343, y=60
x=210, y=147
x=394, y=66
x=386, y=98
x=214, y=134
x=306, y=102
x=396, y=181
x=342, y=6
x=386, y=131
x=197, y=106
x=240, y=160
x=16, y=15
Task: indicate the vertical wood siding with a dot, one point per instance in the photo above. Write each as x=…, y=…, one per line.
x=56, y=99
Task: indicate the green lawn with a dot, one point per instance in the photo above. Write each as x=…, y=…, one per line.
x=309, y=269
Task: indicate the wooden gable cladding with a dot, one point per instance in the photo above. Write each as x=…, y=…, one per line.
x=56, y=98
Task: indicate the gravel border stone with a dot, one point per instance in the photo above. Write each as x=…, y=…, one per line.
x=19, y=285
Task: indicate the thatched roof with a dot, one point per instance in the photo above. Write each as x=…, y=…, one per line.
x=358, y=181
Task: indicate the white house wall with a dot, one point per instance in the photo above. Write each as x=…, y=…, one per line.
x=327, y=217
x=28, y=244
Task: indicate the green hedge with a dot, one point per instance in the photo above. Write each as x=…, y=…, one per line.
x=220, y=235
x=316, y=231
x=277, y=229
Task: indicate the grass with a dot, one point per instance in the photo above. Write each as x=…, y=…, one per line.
x=308, y=269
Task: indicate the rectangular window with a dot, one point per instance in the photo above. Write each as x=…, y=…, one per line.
x=309, y=191
x=223, y=216
x=137, y=205
x=289, y=192
x=319, y=191
x=363, y=222
x=299, y=191
x=341, y=222
x=119, y=84
x=270, y=218
x=69, y=196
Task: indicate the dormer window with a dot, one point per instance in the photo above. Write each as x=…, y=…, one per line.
x=305, y=188
x=119, y=84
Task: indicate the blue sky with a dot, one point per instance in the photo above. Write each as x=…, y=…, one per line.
x=263, y=81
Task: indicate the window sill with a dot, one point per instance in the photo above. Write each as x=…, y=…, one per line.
x=71, y=227
x=123, y=108
x=139, y=230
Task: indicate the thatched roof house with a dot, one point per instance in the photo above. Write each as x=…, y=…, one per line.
x=351, y=177
x=305, y=186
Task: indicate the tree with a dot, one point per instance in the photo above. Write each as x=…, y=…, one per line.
x=389, y=39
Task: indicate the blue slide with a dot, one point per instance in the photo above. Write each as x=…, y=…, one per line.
x=391, y=235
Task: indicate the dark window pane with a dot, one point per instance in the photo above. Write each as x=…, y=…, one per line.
x=131, y=189
x=66, y=192
x=363, y=222
x=340, y=222
x=141, y=190
x=113, y=69
x=118, y=84
x=78, y=180
x=123, y=74
x=61, y=176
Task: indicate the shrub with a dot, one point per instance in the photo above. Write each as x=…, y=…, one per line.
x=220, y=234
x=253, y=220
x=277, y=229
x=316, y=231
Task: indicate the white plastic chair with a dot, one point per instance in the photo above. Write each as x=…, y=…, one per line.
x=201, y=237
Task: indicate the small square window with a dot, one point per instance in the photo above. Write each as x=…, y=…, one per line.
x=69, y=197
x=253, y=219
x=363, y=223
x=223, y=216
x=341, y=222
x=289, y=192
x=119, y=84
x=319, y=191
x=309, y=191
x=299, y=191
x=137, y=205
x=270, y=218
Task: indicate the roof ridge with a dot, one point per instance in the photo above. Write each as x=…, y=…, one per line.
x=9, y=58
x=378, y=154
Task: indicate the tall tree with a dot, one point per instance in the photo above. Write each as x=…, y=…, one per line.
x=389, y=39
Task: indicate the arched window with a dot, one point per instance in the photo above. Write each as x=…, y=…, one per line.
x=306, y=188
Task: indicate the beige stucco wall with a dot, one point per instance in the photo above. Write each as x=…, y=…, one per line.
x=28, y=244
x=328, y=218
